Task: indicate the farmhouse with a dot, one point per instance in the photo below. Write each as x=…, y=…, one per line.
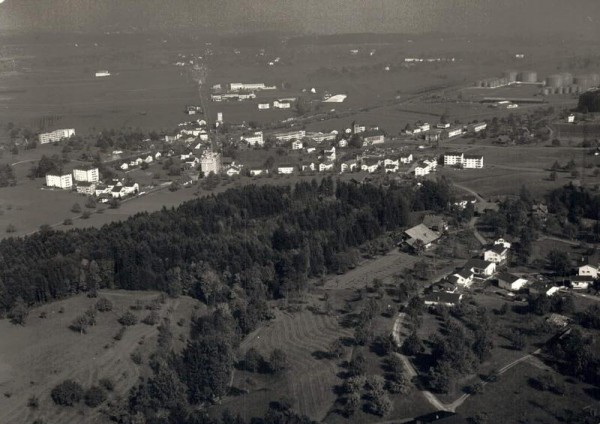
x=442, y=298
x=497, y=254
x=511, y=282
x=86, y=174
x=60, y=181
x=420, y=234
x=286, y=169
x=56, y=135
x=481, y=268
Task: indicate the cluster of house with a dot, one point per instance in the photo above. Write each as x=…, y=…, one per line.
x=445, y=292
x=191, y=132
x=462, y=160
x=139, y=161
x=86, y=180
x=443, y=130
x=285, y=103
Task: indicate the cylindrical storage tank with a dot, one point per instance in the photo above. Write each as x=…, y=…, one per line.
x=567, y=78
x=554, y=81
x=511, y=76
x=583, y=81
x=528, y=76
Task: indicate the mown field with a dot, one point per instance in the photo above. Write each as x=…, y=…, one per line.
x=36, y=357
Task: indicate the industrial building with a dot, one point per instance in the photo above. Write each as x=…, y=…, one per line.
x=56, y=135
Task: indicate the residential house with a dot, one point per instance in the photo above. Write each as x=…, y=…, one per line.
x=444, y=285
x=86, y=174
x=390, y=169
x=329, y=154
x=124, y=167
x=503, y=243
x=286, y=169
x=342, y=143
x=391, y=161
x=86, y=188
x=149, y=159
x=511, y=282
x=157, y=155
x=370, y=165
x=297, y=145
x=326, y=166
x=254, y=139
x=464, y=201
x=433, y=136
x=422, y=169
x=473, y=161
x=349, y=166
x=497, y=254
x=582, y=282
x=60, y=181
x=442, y=298
x=589, y=266
x=233, y=169
x=406, y=159
x=453, y=158
x=481, y=268
x=210, y=162
x=420, y=235
x=308, y=166
x=257, y=171
x=464, y=277
x=443, y=125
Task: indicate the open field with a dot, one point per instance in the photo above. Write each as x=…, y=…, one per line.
x=308, y=382
x=512, y=399
x=43, y=353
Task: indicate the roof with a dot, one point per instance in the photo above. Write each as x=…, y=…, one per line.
x=508, y=277
x=473, y=156
x=86, y=184
x=498, y=248
x=583, y=278
x=443, y=297
x=286, y=165
x=371, y=161
x=593, y=260
x=453, y=154
x=477, y=263
x=116, y=189
x=372, y=133
x=433, y=220
x=464, y=273
x=421, y=232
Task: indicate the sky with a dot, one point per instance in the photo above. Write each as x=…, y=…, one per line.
x=494, y=17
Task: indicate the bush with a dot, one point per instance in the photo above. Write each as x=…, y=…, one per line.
x=253, y=361
x=277, y=361
x=128, y=319
x=107, y=384
x=136, y=357
x=120, y=333
x=76, y=208
x=152, y=318
x=104, y=305
x=67, y=393
x=94, y=396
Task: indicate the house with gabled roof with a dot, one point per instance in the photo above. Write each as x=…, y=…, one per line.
x=511, y=282
x=442, y=298
x=421, y=234
x=481, y=268
x=497, y=253
x=464, y=277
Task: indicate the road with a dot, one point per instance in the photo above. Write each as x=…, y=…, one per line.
x=430, y=397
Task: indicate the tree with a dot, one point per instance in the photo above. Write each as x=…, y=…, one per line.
x=558, y=261
x=277, y=361
x=103, y=305
x=357, y=365
x=114, y=203
x=67, y=393
x=413, y=345
x=152, y=318
x=380, y=404
x=351, y=404
x=336, y=349
x=76, y=208
x=80, y=323
x=19, y=312
x=94, y=396
x=128, y=319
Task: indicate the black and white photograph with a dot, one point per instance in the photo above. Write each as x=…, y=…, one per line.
x=299, y=211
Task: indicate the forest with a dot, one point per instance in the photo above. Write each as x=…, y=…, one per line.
x=263, y=241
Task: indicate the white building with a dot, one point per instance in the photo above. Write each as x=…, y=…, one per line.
x=281, y=105
x=349, y=166
x=257, y=171
x=422, y=169
x=326, y=166
x=60, y=181
x=454, y=132
x=89, y=189
x=453, y=158
x=291, y=135
x=571, y=118
x=285, y=169
x=511, y=282
x=329, y=154
x=370, y=165
x=102, y=74
x=210, y=162
x=371, y=138
x=88, y=175
x=264, y=106
x=473, y=162
x=56, y=135
x=254, y=139
x=406, y=159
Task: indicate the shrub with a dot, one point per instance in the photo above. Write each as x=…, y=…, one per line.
x=107, y=384
x=152, y=318
x=67, y=393
x=104, y=305
x=120, y=333
x=94, y=396
x=277, y=361
x=128, y=319
x=76, y=208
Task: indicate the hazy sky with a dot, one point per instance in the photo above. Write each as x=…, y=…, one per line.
x=522, y=17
